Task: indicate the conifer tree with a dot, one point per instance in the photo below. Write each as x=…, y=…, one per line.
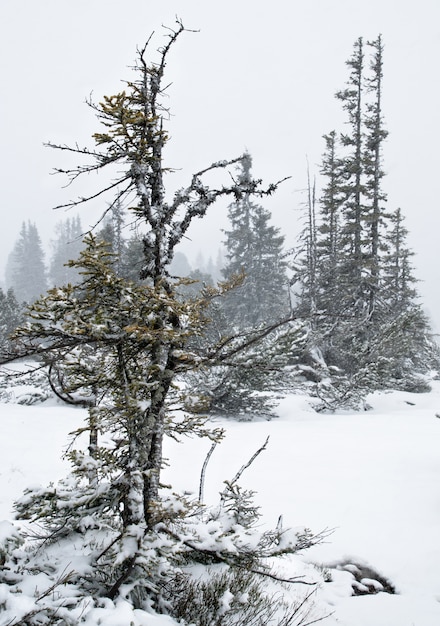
x=398, y=275
x=66, y=246
x=254, y=249
x=352, y=102
x=26, y=271
x=132, y=258
x=306, y=257
x=10, y=317
x=364, y=300
x=132, y=140
x=245, y=386
x=137, y=543
x=111, y=232
x=374, y=173
x=179, y=266
x=328, y=245
x=411, y=345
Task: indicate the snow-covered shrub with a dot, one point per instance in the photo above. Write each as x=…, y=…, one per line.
x=58, y=573
x=365, y=579
x=249, y=372
x=79, y=556
x=27, y=386
x=10, y=540
x=416, y=384
x=227, y=597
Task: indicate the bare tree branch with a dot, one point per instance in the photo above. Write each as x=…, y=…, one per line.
x=202, y=473
x=249, y=463
x=85, y=199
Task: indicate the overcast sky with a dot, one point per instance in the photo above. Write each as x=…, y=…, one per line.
x=258, y=76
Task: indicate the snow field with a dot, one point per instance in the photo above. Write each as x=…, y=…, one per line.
x=372, y=478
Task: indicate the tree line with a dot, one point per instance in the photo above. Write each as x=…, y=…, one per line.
x=349, y=281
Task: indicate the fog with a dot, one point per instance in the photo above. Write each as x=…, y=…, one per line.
x=255, y=76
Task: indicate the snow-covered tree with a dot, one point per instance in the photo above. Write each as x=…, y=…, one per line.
x=328, y=246
x=360, y=336
x=406, y=328
x=121, y=348
x=352, y=99
x=244, y=384
x=304, y=266
x=375, y=135
x=254, y=249
x=10, y=317
x=132, y=258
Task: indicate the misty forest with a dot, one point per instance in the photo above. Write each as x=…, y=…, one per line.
x=146, y=349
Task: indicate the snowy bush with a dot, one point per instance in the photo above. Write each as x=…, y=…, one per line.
x=230, y=598
x=202, y=565
x=27, y=386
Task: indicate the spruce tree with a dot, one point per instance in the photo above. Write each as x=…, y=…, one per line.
x=366, y=323
x=126, y=345
x=26, y=271
x=375, y=134
x=255, y=261
x=10, y=317
x=112, y=232
x=328, y=234
x=352, y=98
x=254, y=250
x=132, y=258
x=66, y=246
x=399, y=282
x=352, y=217
x=306, y=257
x=411, y=347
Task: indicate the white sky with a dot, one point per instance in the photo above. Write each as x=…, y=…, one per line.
x=259, y=76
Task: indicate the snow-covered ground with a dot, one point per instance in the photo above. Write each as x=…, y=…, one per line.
x=373, y=478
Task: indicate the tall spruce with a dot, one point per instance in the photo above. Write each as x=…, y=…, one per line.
x=410, y=338
x=352, y=99
x=306, y=256
x=368, y=323
x=399, y=282
x=328, y=227
x=254, y=250
x=375, y=135
x=245, y=386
